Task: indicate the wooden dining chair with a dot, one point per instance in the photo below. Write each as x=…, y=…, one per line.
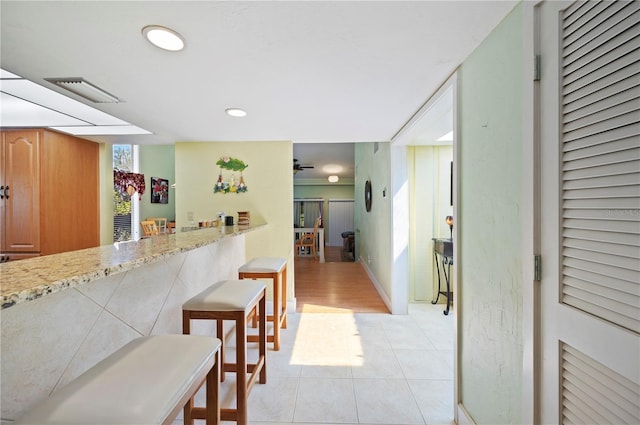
x=149, y=228
x=308, y=240
x=161, y=223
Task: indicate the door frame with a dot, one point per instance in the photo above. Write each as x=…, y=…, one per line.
x=530, y=214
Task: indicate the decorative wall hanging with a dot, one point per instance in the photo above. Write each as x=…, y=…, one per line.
x=128, y=183
x=159, y=191
x=231, y=184
x=367, y=195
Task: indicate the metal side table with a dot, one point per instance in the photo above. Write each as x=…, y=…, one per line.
x=443, y=254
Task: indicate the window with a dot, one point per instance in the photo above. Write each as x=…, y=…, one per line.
x=125, y=207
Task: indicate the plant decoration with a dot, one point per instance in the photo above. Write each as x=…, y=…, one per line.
x=126, y=183
x=231, y=185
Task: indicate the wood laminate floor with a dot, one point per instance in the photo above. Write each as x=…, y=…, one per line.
x=335, y=286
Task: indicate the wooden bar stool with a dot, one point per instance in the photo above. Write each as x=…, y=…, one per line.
x=233, y=300
x=274, y=268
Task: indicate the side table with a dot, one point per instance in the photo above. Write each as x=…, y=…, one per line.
x=443, y=254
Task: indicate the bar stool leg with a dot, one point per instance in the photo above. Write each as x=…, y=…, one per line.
x=212, y=394
x=221, y=336
x=241, y=370
x=277, y=309
x=262, y=344
x=284, y=297
x=213, y=379
x=279, y=317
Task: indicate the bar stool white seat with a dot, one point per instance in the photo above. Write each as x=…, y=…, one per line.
x=233, y=300
x=274, y=268
x=148, y=381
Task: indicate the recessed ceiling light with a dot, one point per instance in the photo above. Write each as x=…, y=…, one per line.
x=164, y=38
x=333, y=179
x=235, y=112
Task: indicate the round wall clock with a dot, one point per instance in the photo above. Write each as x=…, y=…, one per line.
x=367, y=195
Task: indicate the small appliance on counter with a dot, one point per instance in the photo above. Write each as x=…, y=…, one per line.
x=243, y=218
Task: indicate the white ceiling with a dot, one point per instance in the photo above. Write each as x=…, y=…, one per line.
x=307, y=71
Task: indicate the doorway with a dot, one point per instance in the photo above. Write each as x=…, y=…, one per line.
x=340, y=220
x=429, y=145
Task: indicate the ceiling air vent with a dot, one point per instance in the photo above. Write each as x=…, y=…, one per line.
x=83, y=88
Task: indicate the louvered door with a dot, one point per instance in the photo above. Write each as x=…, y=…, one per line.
x=590, y=212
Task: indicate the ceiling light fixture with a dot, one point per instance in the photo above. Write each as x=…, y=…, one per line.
x=332, y=168
x=163, y=37
x=235, y=112
x=83, y=88
x=333, y=179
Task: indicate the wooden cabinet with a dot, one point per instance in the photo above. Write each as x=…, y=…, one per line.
x=53, y=204
x=20, y=191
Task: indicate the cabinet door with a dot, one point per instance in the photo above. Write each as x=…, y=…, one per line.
x=21, y=194
x=69, y=194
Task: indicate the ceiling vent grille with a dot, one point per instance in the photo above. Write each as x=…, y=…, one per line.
x=85, y=89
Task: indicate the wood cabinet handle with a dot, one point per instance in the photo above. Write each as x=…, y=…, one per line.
x=6, y=192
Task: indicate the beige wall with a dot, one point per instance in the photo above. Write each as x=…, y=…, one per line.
x=429, y=168
x=106, y=194
x=269, y=197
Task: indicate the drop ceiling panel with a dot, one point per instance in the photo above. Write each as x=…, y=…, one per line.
x=44, y=97
x=17, y=112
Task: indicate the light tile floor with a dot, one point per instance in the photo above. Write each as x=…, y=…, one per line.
x=357, y=369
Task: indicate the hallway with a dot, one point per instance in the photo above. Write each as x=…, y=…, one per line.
x=351, y=362
x=335, y=286
x=357, y=368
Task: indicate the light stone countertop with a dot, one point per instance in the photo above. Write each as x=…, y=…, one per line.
x=29, y=279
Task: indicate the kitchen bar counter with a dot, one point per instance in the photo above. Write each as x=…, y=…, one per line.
x=64, y=313
x=30, y=279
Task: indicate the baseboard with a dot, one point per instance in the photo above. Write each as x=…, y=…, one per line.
x=463, y=416
x=291, y=305
x=376, y=284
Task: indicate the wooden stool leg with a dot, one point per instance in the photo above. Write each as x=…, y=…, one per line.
x=277, y=309
x=241, y=370
x=221, y=336
x=188, y=408
x=213, y=391
x=262, y=344
x=283, y=276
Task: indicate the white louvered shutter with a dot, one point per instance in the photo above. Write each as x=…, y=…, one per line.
x=601, y=160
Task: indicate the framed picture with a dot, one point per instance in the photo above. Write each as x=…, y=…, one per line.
x=451, y=185
x=159, y=191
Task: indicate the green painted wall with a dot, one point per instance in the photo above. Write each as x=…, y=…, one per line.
x=326, y=191
x=489, y=226
x=157, y=161
x=373, y=228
